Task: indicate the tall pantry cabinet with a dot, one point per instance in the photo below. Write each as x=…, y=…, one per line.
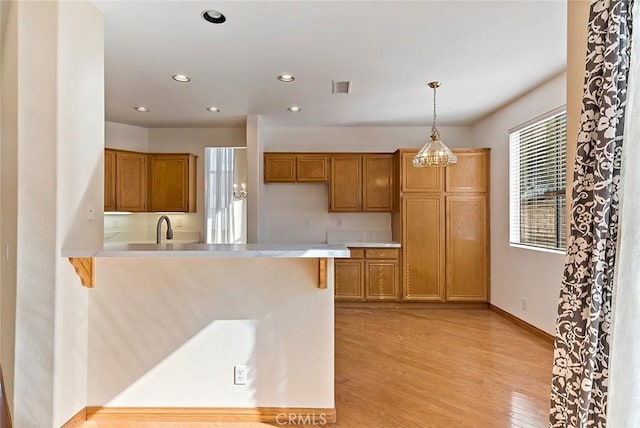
x=441, y=217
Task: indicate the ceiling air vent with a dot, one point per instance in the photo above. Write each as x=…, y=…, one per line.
x=341, y=87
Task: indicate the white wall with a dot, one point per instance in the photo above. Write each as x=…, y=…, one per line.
x=52, y=143
x=255, y=185
x=126, y=137
x=518, y=273
x=36, y=221
x=8, y=189
x=577, y=17
x=381, y=139
x=80, y=177
x=299, y=212
x=168, y=333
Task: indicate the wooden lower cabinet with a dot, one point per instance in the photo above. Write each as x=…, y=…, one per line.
x=467, y=255
x=349, y=279
x=381, y=280
x=423, y=248
x=371, y=274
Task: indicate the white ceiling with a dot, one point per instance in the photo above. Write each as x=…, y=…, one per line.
x=485, y=53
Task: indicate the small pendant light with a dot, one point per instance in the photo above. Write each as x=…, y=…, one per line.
x=435, y=152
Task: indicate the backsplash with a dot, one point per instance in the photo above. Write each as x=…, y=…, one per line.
x=339, y=236
x=299, y=213
x=141, y=227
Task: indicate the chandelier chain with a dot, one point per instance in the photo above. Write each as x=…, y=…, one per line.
x=433, y=126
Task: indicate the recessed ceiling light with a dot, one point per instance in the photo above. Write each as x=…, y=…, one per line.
x=295, y=109
x=141, y=109
x=181, y=78
x=213, y=109
x=213, y=16
x=286, y=78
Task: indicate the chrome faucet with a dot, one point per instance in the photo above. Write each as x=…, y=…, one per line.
x=159, y=229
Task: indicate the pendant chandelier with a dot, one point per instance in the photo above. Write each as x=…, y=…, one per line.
x=435, y=152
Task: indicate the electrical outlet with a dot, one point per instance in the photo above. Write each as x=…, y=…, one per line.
x=240, y=375
x=178, y=221
x=339, y=221
x=524, y=304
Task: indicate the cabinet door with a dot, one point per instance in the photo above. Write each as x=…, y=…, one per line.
x=171, y=186
x=345, y=187
x=279, y=168
x=131, y=181
x=109, y=180
x=423, y=248
x=422, y=179
x=381, y=280
x=349, y=279
x=467, y=248
x=312, y=168
x=470, y=173
x=377, y=183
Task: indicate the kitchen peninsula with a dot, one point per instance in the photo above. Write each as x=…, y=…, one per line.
x=169, y=323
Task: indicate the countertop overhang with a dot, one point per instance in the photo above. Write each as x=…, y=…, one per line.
x=215, y=250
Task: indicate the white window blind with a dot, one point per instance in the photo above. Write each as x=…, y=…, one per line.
x=537, y=176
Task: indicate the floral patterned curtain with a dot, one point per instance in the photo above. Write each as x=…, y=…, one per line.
x=581, y=355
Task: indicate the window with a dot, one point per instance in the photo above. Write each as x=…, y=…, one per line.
x=225, y=213
x=537, y=176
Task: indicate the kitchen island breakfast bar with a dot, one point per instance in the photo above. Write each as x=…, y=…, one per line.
x=170, y=324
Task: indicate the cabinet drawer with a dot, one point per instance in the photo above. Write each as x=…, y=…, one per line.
x=382, y=253
x=357, y=253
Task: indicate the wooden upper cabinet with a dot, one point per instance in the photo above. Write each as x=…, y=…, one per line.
x=470, y=173
x=423, y=243
x=361, y=183
x=312, y=168
x=467, y=257
x=296, y=167
x=109, y=180
x=131, y=181
x=279, y=168
x=172, y=182
x=419, y=180
x=345, y=183
x=377, y=183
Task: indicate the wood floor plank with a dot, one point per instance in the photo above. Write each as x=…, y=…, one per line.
x=440, y=368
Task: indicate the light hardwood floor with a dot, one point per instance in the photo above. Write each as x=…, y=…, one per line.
x=419, y=368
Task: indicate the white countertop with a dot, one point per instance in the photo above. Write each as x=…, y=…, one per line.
x=369, y=244
x=215, y=250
